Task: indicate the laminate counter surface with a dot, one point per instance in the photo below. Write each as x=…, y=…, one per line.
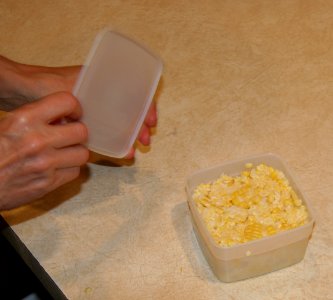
x=240, y=78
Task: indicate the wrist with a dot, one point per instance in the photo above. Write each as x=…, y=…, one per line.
x=11, y=79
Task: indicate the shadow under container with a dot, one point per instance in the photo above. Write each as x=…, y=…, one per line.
x=256, y=257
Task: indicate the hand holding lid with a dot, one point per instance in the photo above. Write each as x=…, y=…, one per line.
x=115, y=89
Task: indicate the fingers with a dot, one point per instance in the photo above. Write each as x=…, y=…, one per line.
x=130, y=154
x=45, y=164
x=41, y=186
x=69, y=134
x=151, y=117
x=53, y=107
x=74, y=156
x=44, y=116
x=150, y=121
x=63, y=105
x=144, y=135
x=63, y=176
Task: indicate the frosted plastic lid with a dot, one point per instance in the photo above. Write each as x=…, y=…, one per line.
x=115, y=88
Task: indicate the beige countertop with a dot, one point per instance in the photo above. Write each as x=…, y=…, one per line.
x=240, y=78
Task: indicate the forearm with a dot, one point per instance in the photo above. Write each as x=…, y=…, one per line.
x=20, y=83
x=13, y=82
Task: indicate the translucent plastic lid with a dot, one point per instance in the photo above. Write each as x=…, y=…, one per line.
x=115, y=88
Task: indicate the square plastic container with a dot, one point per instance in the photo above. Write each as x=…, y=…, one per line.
x=255, y=257
x=115, y=88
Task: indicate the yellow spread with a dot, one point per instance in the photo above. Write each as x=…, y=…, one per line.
x=257, y=203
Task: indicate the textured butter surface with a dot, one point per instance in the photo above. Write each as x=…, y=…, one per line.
x=258, y=203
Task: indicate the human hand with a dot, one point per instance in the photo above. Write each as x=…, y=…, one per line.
x=26, y=83
x=64, y=78
x=38, y=152
x=144, y=136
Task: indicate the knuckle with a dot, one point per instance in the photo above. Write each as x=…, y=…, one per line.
x=21, y=118
x=42, y=186
x=43, y=166
x=70, y=174
x=35, y=144
x=64, y=99
x=69, y=98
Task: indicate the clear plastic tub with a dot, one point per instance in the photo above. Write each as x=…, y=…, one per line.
x=115, y=88
x=259, y=256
